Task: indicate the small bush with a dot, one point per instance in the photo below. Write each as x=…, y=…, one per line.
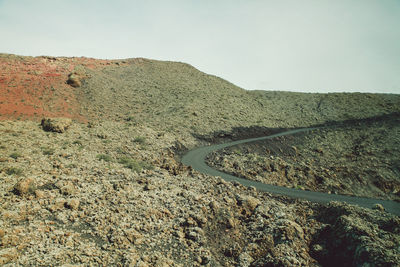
x=104, y=157
x=72, y=166
x=140, y=139
x=13, y=170
x=48, y=151
x=135, y=165
x=238, y=152
x=77, y=142
x=120, y=150
x=146, y=165
x=300, y=187
x=130, y=118
x=102, y=135
x=15, y=155
x=130, y=164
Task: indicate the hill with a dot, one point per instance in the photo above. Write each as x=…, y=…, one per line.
x=178, y=96
x=102, y=184
x=166, y=95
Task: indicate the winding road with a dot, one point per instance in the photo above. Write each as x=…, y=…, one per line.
x=196, y=159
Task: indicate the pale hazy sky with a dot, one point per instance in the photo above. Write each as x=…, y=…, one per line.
x=296, y=45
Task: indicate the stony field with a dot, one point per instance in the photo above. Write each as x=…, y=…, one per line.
x=358, y=158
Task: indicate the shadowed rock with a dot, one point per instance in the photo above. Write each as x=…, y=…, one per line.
x=58, y=125
x=74, y=79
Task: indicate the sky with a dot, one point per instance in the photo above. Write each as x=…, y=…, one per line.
x=287, y=45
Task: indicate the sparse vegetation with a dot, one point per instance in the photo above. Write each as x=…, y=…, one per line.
x=15, y=155
x=14, y=171
x=140, y=139
x=90, y=208
x=134, y=165
x=238, y=152
x=130, y=118
x=72, y=166
x=106, y=158
x=77, y=142
x=47, y=151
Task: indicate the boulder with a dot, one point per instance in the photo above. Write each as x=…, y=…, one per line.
x=249, y=203
x=72, y=204
x=58, y=125
x=25, y=186
x=68, y=189
x=75, y=79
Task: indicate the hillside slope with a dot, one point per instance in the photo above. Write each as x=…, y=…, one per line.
x=358, y=158
x=108, y=188
x=33, y=87
x=165, y=95
x=170, y=95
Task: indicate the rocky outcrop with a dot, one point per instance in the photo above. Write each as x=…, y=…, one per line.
x=58, y=125
x=357, y=237
x=25, y=186
x=75, y=79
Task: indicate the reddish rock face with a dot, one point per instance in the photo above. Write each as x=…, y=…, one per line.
x=36, y=87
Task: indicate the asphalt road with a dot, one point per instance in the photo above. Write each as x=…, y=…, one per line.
x=196, y=159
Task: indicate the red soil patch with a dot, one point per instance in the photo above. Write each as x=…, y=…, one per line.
x=35, y=87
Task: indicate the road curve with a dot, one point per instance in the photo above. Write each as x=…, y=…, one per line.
x=196, y=159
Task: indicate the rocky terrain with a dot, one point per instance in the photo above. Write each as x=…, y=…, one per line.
x=356, y=158
x=103, y=184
